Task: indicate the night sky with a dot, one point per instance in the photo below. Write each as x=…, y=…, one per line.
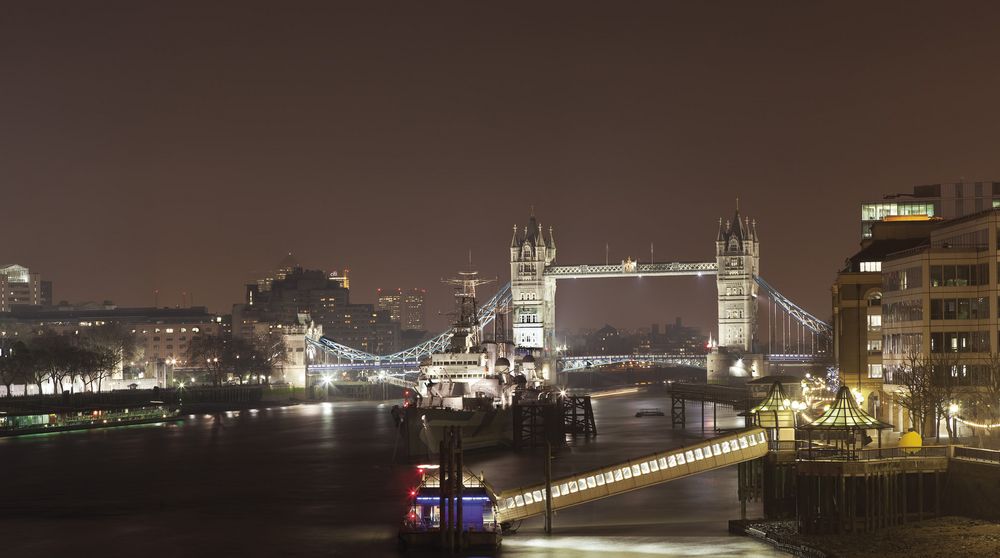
x=189, y=147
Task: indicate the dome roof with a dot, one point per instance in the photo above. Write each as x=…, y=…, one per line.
x=502, y=362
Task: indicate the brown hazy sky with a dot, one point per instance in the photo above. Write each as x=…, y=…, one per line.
x=189, y=146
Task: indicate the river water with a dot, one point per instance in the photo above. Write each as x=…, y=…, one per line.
x=318, y=480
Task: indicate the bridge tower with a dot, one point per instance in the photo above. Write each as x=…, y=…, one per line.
x=533, y=295
x=737, y=254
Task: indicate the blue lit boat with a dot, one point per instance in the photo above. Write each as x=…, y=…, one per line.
x=421, y=528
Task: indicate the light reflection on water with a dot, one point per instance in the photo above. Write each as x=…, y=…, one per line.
x=316, y=480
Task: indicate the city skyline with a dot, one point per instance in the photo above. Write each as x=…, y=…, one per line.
x=295, y=143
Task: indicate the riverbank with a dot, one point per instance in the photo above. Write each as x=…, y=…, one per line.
x=944, y=537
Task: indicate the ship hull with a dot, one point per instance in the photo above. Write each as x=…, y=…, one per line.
x=421, y=429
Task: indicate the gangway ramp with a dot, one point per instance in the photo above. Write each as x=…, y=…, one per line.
x=706, y=455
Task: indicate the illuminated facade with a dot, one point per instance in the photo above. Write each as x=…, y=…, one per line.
x=857, y=309
x=533, y=294
x=405, y=307
x=19, y=286
x=737, y=253
x=940, y=303
x=945, y=201
x=162, y=335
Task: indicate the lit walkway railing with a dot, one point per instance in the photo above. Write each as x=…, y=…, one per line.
x=707, y=455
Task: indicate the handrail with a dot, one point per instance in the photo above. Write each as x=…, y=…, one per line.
x=977, y=454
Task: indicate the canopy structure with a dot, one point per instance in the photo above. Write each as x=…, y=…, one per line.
x=774, y=401
x=844, y=414
x=776, y=413
x=843, y=422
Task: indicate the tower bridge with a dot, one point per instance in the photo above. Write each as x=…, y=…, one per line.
x=745, y=301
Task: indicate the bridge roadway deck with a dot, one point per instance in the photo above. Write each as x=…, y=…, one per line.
x=714, y=453
x=627, y=269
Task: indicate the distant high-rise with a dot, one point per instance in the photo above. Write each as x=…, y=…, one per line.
x=944, y=201
x=405, y=307
x=284, y=267
x=293, y=294
x=19, y=286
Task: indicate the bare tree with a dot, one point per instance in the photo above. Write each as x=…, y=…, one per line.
x=54, y=355
x=112, y=345
x=984, y=402
x=242, y=357
x=215, y=351
x=914, y=378
x=947, y=385
x=15, y=364
x=270, y=353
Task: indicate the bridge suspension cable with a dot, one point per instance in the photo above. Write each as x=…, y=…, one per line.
x=412, y=355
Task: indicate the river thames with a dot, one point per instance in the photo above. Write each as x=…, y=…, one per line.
x=318, y=480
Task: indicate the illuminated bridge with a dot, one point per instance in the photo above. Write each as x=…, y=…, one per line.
x=754, y=319
x=580, y=488
x=577, y=363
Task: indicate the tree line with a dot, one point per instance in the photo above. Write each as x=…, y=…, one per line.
x=226, y=358
x=98, y=352
x=90, y=357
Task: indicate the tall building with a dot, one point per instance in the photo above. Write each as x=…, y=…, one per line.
x=943, y=201
x=19, y=286
x=284, y=267
x=297, y=293
x=532, y=294
x=737, y=251
x=391, y=301
x=940, y=304
x=857, y=307
x=405, y=307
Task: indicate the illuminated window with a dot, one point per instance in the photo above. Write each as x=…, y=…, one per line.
x=871, y=266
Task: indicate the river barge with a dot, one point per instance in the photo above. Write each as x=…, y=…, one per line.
x=27, y=422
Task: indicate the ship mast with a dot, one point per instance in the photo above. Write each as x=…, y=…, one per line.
x=466, y=327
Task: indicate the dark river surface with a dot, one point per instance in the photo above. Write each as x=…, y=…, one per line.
x=318, y=480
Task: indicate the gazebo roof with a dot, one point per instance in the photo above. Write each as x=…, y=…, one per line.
x=844, y=414
x=775, y=400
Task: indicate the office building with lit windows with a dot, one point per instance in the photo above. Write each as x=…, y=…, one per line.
x=941, y=201
x=857, y=307
x=405, y=307
x=940, y=303
x=19, y=286
x=162, y=335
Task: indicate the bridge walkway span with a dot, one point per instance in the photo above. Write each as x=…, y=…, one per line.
x=707, y=455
